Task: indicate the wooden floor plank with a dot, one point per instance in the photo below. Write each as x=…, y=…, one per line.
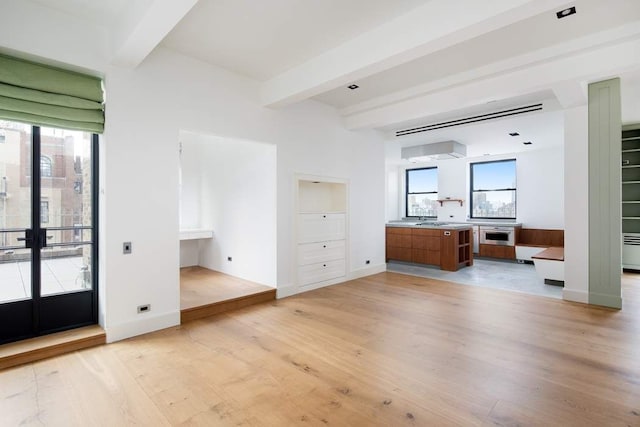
x=388, y=349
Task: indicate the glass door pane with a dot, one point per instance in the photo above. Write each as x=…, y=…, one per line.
x=15, y=211
x=66, y=211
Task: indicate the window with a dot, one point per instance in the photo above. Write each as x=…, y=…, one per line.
x=493, y=189
x=422, y=192
x=44, y=212
x=45, y=166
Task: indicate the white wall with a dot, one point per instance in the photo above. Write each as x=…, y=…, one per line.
x=147, y=108
x=540, y=188
x=237, y=200
x=190, y=181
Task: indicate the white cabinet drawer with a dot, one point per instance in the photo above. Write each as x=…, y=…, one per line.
x=311, y=253
x=321, y=271
x=320, y=227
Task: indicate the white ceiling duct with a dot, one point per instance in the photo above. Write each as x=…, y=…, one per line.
x=437, y=151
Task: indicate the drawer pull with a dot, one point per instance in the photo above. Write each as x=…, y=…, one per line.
x=324, y=216
x=324, y=246
x=324, y=265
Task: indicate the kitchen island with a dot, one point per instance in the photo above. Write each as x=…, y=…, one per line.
x=448, y=246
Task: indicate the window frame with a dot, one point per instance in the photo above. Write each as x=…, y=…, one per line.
x=406, y=192
x=471, y=190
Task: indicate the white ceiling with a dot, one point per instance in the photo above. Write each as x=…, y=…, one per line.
x=416, y=61
x=534, y=33
x=261, y=39
x=543, y=129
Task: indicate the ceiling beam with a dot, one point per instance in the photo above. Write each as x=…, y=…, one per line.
x=434, y=26
x=604, y=62
x=144, y=27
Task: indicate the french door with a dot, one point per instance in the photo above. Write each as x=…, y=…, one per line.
x=48, y=239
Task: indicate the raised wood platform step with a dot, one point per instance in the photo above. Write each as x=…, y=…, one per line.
x=194, y=313
x=38, y=348
x=206, y=292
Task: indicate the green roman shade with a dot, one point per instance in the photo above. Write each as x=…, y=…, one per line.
x=47, y=96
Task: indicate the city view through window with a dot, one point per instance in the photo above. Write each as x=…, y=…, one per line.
x=65, y=210
x=422, y=192
x=493, y=189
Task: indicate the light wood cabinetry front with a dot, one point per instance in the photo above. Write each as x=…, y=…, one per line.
x=448, y=249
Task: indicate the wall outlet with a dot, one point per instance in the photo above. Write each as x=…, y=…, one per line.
x=126, y=248
x=367, y=261
x=229, y=258
x=144, y=308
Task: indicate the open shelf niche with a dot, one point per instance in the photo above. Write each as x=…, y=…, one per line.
x=631, y=180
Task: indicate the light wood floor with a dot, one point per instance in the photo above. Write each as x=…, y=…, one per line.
x=200, y=286
x=386, y=350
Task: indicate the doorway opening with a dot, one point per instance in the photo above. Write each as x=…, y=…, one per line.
x=228, y=253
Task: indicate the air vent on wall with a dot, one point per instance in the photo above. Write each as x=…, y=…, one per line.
x=472, y=119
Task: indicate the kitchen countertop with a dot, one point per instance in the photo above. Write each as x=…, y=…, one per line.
x=414, y=224
x=495, y=223
x=450, y=225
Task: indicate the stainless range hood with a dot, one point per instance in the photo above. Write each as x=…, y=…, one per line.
x=436, y=151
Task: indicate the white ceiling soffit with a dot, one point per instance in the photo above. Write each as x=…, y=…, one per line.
x=102, y=13
x=135, y=27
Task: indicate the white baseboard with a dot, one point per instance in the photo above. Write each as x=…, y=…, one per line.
x=367, y=271
x=286, y=291
x=576, y=296
x=145, y=325
x=289, y=290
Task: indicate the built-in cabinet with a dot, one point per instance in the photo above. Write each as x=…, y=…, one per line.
x=498, y=251
x=448, y=249
x=321, y=231
x=631, y=196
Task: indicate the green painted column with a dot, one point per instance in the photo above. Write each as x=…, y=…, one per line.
x=605, y=216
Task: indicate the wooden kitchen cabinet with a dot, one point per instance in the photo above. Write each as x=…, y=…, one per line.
x=448, y=249
x=456, y=249
x=399, y=244
x=498, y=251
x=425, y=244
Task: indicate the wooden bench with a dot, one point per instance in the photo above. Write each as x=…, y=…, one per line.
x=529, y=241
x=550, y=265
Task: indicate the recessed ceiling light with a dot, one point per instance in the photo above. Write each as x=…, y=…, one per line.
x=353, y=87
x=528, y=143
x=566, y=12
x=514, y=134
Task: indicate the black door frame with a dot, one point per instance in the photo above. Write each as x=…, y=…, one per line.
x=59, y=312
